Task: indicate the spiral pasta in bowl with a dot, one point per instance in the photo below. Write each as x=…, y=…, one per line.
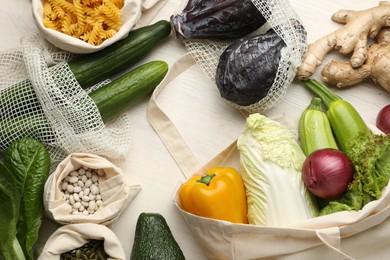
x=86, y=26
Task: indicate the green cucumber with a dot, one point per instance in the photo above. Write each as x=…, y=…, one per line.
x=111, y=100
x=93, y=68
x=115, y=97
x=33, y=126
x=96, y=67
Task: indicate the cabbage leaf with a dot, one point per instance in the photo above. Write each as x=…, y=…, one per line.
x=271, y=162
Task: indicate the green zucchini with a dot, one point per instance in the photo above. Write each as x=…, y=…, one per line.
x=315, y=131
x=344, y=119
x=111, y=100
x=93, y=68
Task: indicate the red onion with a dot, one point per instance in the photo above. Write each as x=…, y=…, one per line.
x=383, y=120
x=327, y=173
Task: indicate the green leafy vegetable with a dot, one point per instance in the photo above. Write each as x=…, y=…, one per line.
x=370, y=155
x=271, y=161
x=24, y=170
x=9, y=212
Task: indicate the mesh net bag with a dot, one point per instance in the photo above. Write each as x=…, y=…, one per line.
x=283, y=19
x=40, y=98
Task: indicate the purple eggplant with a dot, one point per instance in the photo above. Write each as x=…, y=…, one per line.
x=217, y=19
x=247, y=68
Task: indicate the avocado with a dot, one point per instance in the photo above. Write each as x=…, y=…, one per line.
x=154, y=240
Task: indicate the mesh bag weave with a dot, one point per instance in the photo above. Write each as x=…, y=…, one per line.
x=40, y=98
x=283, y=19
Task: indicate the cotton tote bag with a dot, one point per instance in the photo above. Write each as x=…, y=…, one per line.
x=363, y=234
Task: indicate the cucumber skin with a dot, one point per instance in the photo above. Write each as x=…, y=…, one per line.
x=96, y=67
x=93, y=68
x=116, y=97
x=111, y=100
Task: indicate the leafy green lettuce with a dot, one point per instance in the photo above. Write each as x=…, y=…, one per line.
x=23, y=173
x=271, y=162
x=370, y=155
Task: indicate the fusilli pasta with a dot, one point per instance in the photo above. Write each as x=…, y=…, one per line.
x=92, y=21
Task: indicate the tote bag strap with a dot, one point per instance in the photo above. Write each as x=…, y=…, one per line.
x=184, y=157
x=165, y=128
x=330, y=237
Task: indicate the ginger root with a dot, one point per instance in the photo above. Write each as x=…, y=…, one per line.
x=377, y=66
x=358, y=27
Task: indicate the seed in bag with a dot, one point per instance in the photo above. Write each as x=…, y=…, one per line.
x=91, y=250
x=81, y=190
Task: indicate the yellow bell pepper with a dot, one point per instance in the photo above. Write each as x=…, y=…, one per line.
x=218, y=194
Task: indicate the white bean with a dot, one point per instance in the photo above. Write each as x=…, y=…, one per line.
x=92, y=205
x=74, y=173
x=87, y=191
x=73, y=179
x=77, y=205
x=84, y=178
x=100, y=172
x=77, y=189
x=94, y=177
x=71, y=200
x=70, y=188
x=63, y=185
x=88, y=183
x=81, y=190
x=81, y=171
x=91, y=197
x=94, y=189
x=76, y=197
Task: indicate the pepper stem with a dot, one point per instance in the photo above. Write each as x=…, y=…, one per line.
x=206, y=179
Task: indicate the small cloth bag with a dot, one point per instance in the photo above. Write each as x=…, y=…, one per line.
x=116, y=190
x=134, y=13
x=73, y=236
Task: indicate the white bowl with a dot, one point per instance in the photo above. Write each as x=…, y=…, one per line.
x=131, y=13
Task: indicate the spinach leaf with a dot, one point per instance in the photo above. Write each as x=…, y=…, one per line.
x=9, y=213
x=29, y=162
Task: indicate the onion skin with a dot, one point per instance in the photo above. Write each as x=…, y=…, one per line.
x=383, y=120
x=327, y=173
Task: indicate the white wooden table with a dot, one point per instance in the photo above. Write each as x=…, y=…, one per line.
x=196, y=108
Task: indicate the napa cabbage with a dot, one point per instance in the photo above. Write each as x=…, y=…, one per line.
x=271, y=162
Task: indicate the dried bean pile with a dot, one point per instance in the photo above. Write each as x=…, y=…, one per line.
x=81, y=190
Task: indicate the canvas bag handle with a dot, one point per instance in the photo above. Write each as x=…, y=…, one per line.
x=184, y=157
x=165, y=128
